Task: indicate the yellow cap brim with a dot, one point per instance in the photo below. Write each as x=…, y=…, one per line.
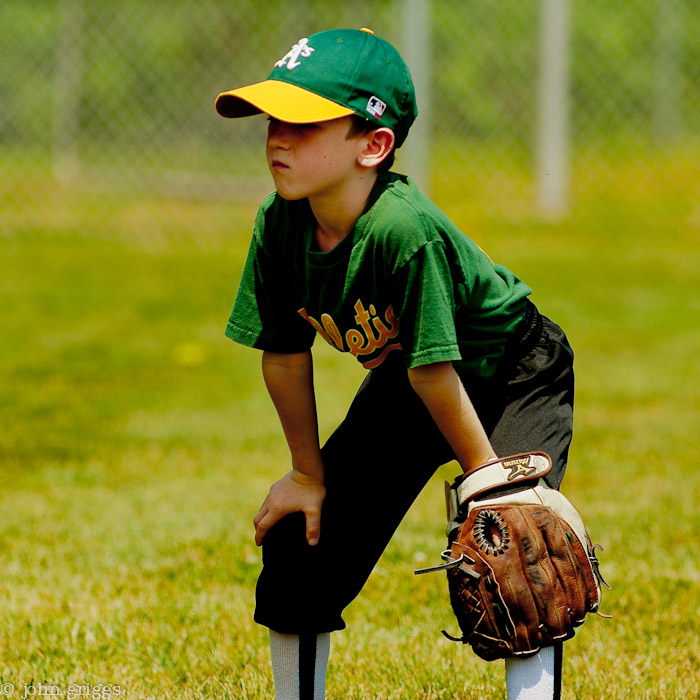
x=283, y=101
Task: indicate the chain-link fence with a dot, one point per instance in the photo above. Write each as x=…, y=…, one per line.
x=117, y=95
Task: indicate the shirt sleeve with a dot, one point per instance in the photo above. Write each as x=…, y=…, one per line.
x=265, y=312
x=424, y=302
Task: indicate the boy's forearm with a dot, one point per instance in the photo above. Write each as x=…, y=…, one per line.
x=441, y=390
x=289, y=381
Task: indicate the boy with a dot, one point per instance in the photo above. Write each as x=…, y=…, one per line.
x=462, y=365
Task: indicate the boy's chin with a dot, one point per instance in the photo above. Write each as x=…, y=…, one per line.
x=289, y=196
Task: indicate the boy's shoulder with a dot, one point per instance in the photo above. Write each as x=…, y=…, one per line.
x=401, y=194
x=276, y=206
x=279, y=217
x=402, y=212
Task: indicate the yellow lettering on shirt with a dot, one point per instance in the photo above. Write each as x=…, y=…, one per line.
x=373, y=334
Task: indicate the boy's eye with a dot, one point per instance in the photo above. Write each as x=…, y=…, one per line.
x=277, y=125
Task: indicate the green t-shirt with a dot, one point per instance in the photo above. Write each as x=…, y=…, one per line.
x=404, y=279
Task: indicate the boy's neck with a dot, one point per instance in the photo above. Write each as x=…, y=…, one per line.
x=336, y=214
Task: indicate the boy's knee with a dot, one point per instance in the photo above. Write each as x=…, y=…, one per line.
x=286, y=534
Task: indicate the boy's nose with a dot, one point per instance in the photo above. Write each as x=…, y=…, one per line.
x=277, y=133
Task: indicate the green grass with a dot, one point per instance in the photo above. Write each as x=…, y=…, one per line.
x=137, y=444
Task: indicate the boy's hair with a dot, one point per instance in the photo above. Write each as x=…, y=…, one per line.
x=359, y=127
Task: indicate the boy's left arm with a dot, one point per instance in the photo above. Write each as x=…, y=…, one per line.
x=443, y=394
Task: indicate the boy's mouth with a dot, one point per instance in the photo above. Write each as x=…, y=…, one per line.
x=279, y=165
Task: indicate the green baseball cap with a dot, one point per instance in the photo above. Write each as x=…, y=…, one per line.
x=330, y=75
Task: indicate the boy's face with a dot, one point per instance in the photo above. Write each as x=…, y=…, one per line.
x=312, y=160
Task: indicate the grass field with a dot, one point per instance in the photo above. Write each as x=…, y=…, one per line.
x=137, y=443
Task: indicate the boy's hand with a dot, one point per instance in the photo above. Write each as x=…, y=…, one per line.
x=294, y=492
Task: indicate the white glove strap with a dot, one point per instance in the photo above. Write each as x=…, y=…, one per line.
x=508, y=471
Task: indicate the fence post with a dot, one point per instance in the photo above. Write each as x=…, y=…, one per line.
x=668, y=82
x=67, y=90
x=553, y=109
x=415, y=154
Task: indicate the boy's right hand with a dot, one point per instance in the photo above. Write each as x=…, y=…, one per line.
x=294, y=492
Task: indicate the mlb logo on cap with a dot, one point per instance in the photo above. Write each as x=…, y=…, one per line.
x=376, y=107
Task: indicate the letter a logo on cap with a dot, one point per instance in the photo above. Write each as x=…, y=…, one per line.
x=291, y=58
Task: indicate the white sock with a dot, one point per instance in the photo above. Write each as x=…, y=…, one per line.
x=537, y=677
x=299, y=665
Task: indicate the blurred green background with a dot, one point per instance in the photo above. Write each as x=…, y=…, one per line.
x=137, y=442
x=118, y=95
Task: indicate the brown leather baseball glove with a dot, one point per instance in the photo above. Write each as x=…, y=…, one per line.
x=521, y=569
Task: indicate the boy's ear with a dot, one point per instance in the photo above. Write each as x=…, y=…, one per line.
x=379, y=145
